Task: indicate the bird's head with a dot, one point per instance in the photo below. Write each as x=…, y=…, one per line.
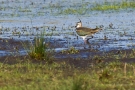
x=78, y=24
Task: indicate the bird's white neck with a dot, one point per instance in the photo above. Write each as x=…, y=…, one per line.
x=79, y=24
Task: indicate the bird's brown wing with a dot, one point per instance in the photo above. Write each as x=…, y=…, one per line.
x=83, y=31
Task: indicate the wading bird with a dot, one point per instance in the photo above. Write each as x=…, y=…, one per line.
x=84, y=32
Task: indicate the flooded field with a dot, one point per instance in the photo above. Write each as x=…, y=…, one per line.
x=23, y=20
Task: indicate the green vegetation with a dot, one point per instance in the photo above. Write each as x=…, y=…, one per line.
x=100, y=7
x=72, y=74
x=62, y=76
x=40, y=49
x=24, y=10
x=80, y=11
x=71, y=50
x=80, y=8
x=114, y=6
x=35, y=72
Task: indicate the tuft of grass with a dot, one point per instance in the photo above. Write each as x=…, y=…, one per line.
x=80, y=83
x=40, y=49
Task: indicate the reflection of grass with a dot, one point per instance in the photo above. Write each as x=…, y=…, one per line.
x=114, y=6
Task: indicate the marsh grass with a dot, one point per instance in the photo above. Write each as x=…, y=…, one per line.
x=62, y=76
x=114, y=6
x=80, y=8
x=39, y=50
x=75, y=10
x=85, y=8
x=115, y=75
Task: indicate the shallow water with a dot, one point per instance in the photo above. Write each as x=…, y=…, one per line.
x=26, y=19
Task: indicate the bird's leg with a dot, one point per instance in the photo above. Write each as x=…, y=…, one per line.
x=87, y=40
